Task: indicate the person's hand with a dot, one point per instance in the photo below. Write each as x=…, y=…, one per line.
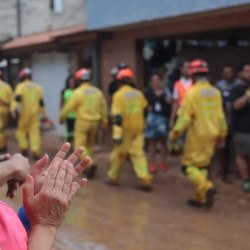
x=12, y=184
x=171, y=123
x=173, y=135
x=21, y=168
x=118, y=142
x=47, y=208
x=40, y=169
x=5, y=157
x=12, y=188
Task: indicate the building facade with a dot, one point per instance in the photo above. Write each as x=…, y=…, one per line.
x=32, y=28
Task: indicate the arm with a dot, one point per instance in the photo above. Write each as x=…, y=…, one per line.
x=173, y=115
x=41, y=237
x=184, y=119
x=174, y=107
x=15, y=168
x=223, y=127
x=71, y=105
x=241, y=102
x=47, y=205
x=117, y=119
x=104, y=111
x=16, y=101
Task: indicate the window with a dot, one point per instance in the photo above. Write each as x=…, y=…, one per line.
x=57, y=6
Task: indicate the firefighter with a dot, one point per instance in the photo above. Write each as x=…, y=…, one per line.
x=6, y=94
x=127, y=110
x=28, y=107
x=90, y=106
x=201, y=114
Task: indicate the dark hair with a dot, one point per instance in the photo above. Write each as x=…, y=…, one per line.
x=242, y=66
x=156, y=73
x=67, y=81
x=67, y=84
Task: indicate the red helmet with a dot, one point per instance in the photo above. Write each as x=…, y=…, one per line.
x=83, y=74
x=125, y=73
x=198, y=66
x=24, y=72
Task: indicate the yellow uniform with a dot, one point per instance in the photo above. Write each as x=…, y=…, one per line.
x=202, y=114
x=90, y=106
x=128, y=107
x=28, y=102
x=6, y=94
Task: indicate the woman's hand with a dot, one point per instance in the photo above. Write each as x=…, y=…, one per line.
x=41, y=168
x=47, y=208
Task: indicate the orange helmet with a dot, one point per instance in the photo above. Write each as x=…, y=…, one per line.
x=24, y=72
x=83, y=74
x=125, y=73
x=198, y=66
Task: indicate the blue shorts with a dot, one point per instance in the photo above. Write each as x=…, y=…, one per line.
x=157, y=126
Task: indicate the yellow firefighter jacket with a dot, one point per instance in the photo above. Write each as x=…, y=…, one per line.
x=28, y=99
x=202, y=114
x=129, y=103
x=89, y=104
x=6, y=94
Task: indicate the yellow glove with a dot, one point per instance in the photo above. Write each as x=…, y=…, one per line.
x=117, y=134
x=173, y=135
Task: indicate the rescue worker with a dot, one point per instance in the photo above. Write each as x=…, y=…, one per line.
x=6, y=94
x=28, y=107
x=66, y=94
x=127, y=110
x=202, y=116
x=90, y=106
x=181, y=87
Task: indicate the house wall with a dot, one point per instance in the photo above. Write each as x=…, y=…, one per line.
x=120, y=12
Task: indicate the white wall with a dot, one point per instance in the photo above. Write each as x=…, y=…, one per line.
x=50, y=71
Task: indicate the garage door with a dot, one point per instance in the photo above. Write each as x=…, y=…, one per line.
x=50, y=71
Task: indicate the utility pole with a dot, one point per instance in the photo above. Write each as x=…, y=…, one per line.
x=18, y=15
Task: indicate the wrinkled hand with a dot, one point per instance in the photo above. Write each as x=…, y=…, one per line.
x=40, y=169
x=21, y=170
x=48, y=207
x=5, y=157
x=21, y=166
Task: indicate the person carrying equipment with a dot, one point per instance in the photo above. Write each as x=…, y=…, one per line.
x=127, y=110
x=6, y=94
x=90, y=106
x=201, y=114
x=28, y=106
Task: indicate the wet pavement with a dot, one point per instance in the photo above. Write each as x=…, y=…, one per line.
x=123, y=218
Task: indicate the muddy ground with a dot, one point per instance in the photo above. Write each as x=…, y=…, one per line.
x=124, y=218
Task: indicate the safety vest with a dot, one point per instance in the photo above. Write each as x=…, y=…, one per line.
x=182, y=90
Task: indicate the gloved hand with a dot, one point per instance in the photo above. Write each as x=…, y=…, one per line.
x=173, y=135
x=118, y=142
x=117, y=135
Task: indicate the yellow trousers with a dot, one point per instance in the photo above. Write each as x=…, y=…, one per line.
x=132, y=146
x=199, y=178
x=28, y=132
x=85, y=136
x=3, y=134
